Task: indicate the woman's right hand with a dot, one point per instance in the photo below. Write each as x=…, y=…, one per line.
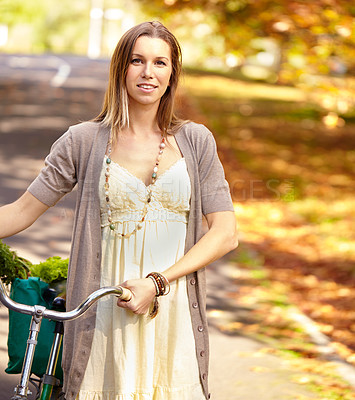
x=143, y=293
x=20, y=214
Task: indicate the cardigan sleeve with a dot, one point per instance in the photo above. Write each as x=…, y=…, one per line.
x=58, y=177
x=215, y=192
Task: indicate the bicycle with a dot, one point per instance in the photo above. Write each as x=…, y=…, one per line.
x=49, y=386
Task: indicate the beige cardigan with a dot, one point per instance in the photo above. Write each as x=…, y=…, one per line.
x=76, y=158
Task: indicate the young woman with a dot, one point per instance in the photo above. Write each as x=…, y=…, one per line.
x=145, y=179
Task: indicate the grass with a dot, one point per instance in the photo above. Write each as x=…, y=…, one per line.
x=224, y=88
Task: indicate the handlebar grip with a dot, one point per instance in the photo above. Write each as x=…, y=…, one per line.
x=126, y=294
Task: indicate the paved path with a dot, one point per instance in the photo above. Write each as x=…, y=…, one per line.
x=38, y=101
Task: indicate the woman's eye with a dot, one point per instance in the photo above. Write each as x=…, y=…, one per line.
x=136, y=61
x=160, y=62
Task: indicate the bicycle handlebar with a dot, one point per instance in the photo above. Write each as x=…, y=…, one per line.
x=119, y=291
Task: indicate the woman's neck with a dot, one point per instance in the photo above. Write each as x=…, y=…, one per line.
x=143, y=120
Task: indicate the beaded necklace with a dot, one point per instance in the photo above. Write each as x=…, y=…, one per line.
x=139, y=225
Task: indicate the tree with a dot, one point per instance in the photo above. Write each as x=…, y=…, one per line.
x=317, y=37
x=52, y=25
x=18, y=11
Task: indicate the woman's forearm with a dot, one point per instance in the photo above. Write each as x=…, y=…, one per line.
x=19, y=215
x=218, y=241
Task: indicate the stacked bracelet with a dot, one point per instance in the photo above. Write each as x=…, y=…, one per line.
x=161, y=284
x=162, y=288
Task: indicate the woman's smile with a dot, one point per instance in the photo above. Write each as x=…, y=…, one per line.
x=147, y=88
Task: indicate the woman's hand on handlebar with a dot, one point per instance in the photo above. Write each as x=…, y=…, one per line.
x=143, y=293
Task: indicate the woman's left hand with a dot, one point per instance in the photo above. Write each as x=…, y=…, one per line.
x=143, y=293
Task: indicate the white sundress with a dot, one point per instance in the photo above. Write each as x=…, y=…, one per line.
x=134, y=357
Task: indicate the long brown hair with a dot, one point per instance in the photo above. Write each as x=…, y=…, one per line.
x=114, y=112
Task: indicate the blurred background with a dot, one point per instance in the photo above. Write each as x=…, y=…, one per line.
x=274, y=81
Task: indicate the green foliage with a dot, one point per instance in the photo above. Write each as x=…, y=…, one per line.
x=12, y=266
x=19, y=11
x=249, y=259
x=54, y=269
x=48, y=25
x=65, y=26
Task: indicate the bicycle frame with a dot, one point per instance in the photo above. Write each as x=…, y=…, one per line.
x=49, y=380
x=40, y=312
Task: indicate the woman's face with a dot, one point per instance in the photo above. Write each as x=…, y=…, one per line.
x=149, y=71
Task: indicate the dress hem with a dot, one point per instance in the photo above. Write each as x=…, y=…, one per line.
x=159, y=393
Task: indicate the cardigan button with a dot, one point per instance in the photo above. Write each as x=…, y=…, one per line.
x=204, y=376
x=193, y=281
x=195, y=305
x=200, y=328
x=202, y=353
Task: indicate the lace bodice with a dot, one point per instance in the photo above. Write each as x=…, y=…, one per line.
x=170, y=195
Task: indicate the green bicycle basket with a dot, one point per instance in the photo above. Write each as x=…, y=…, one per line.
x=31, y=292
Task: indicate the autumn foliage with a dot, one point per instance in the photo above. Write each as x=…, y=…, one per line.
x=292, y=178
